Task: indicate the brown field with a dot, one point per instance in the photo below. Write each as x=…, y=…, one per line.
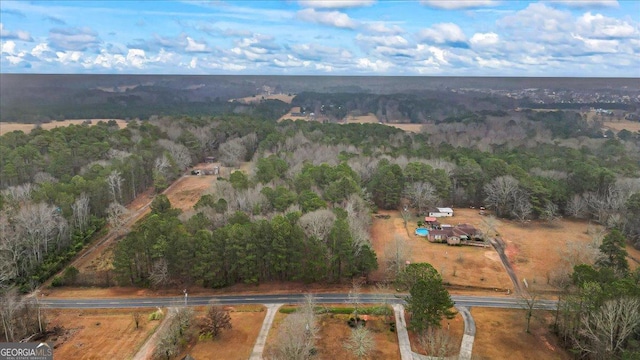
x=334, y=331
x=632, y=126
x=236, y=343
x=256, y=98
x=363, y=119
x=6, y=127
x=454, y=328
x=534, y=250
x=458, y=265
x=99, y=334
x=372, y=119
x=500, y=334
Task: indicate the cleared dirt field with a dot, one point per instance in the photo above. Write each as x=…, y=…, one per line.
x=500, y=334
x=6, y=127
x=363, y=119
x=458, y=265
x=99, y=334
x=535, y=249
x=236, y=343
x=372, y=119
x=254, y=99
x=333, y=333
x=632, y=126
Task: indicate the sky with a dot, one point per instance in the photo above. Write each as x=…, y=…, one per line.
x=567, y=38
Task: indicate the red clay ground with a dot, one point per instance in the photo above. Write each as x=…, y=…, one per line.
x=458, y=265
x=500, y=334
x=99, y=334
x=534, y=249
x=233, y=344
x=334, y=331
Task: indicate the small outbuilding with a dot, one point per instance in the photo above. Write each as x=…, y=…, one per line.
x=441, y=212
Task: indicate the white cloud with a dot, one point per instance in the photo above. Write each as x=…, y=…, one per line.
x=323, y=67
x=14, y=35
x=484, y=39
x=193, y=46
x=67, y=57
x=382, y=28
x=317, y=52
x=108, y=61
x=586, y=3
x=395, y=41
x=330, y=18
x=599, y=45
x=8, y=47
x=233, y=67
x=193, y=63
x=375, y=66
x=604, y=27
x=289, y=61
x=335, y=4
x=538, y=21
x=136, y=58
x=494, y=63
x=443, y=33
x=40, y=49
x=458, y=4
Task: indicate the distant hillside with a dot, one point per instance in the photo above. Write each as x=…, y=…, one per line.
x=40, y=98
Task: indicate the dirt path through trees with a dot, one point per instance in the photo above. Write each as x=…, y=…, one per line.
x=146, y=350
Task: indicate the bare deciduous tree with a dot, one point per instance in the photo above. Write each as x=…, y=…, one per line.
x=522, y=208
x=114, y=181
x=501, y=193
x=607, y=329
x=232, y=152
x=317, y=223
x=215, y=320
x=19, y=193
x=437, y=343
x=117, y=216
x=576, y=206
x=162, y=165
x=360, y=342
x=421, y=195
x=38, y=225
x=159, y=274
x=179, y=153
x=550, y=212
x=397, y=254
x=81, y=213
x=297, y=334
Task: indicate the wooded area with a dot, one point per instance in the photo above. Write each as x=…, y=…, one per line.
x=304, y=212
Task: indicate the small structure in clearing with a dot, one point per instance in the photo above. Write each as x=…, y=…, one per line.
x=441, y=212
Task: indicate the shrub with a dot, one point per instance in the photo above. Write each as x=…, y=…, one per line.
x=57, y=281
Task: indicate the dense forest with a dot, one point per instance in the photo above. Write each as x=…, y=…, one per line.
x=303, y=212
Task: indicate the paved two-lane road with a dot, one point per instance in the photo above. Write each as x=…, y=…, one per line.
x=322, y=298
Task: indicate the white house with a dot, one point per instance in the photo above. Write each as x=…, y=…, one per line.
x=441, y=212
